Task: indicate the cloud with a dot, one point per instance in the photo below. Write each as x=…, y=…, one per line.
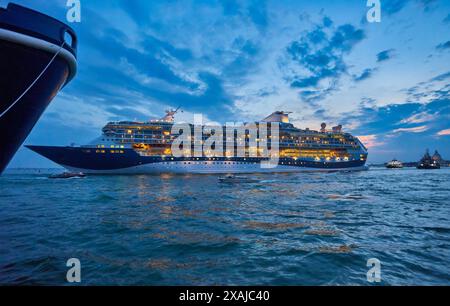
x=230, y=7
x=418, y=118
x=257, y=11
x=417, y=129
x=396, y=119
x=443, y=46
x=427, y=5
x=139, y=11
x=393, y=6
x=445, y=132
x=385, y=55
x=156, y=72
x=367, y=73
x=319, y=56
x=446, y=19
x=370, y=141
x=441, y=77
x=327, y=22
x=436, y=88
x=148, y=81
x=367, y=102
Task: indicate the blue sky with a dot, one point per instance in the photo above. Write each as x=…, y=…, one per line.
x=235, y=60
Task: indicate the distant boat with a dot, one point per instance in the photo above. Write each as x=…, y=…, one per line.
x=66, y=175
x=37, y=59
x=427, y=162
x=394, y=164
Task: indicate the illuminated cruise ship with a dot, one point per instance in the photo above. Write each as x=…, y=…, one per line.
x=149, y=147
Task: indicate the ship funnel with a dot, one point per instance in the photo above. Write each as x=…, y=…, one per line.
x=337, y=129
x=278, y=116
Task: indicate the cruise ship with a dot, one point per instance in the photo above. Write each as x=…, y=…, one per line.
x=37, y=59
x=128, y=147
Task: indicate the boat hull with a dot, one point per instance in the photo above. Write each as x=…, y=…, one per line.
x=24, y=55
x=94, y=161
x=428, y=167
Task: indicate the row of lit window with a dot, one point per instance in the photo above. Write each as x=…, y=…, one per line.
x=111, y=151
x=234, y=163
x=112, y=146
x=212, y=163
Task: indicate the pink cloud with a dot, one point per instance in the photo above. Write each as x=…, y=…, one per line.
x=444, y=132
x=370, y=141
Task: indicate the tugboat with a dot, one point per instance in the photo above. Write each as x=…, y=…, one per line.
x=394, y=164
x=427, y=162
x=37, y=59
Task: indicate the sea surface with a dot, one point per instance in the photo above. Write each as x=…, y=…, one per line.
x=286, y=229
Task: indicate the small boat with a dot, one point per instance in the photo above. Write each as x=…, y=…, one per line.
x=66, y=175
x=427, y=162
x=237, y=179
x=394, y=164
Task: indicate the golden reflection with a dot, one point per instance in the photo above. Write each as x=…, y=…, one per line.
x=322, y=232
x=273, y=226
x=342, y=249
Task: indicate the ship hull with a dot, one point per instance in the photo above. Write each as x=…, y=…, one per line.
x=24, y=95
x=213, y=168
x=89, y=161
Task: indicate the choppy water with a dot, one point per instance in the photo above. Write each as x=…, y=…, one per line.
x=288, y=229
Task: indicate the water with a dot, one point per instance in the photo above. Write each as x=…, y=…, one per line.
x=288, y=229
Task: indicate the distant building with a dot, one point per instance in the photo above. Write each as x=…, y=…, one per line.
x=437, y=157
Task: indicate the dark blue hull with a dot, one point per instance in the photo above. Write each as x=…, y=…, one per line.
x=92, y=160
x=24, y=37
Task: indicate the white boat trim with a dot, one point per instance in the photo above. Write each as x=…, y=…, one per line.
x=43, y=45
x=201, y=168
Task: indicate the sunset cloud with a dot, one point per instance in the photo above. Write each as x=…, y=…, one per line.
x=370, y=141
x=417, y=129
x=444, y=132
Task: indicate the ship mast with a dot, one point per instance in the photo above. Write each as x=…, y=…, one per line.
x=170, y=115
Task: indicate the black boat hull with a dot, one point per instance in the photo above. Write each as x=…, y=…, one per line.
x=19, y=65
x=34, y=66
x=128, y=161
x=428, y=167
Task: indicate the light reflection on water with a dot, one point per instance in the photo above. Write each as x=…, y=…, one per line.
x=294, y=229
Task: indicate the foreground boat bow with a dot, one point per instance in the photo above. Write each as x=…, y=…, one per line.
x=37, y=59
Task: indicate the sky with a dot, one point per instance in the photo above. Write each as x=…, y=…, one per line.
x=233, y=60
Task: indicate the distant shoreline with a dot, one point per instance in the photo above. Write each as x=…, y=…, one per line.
x=444, y=164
